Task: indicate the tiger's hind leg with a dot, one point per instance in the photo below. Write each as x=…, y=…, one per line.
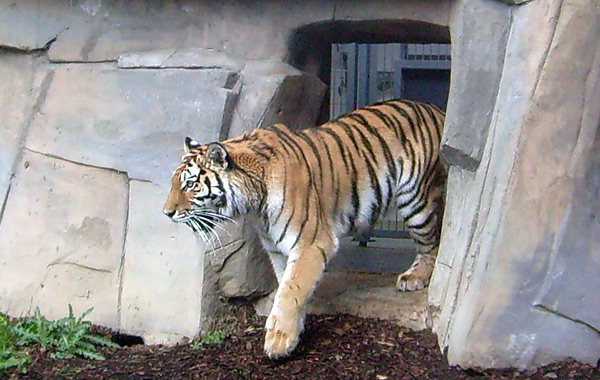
x=424, y=227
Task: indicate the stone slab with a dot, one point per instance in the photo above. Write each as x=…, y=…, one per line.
x=296, y=103
x=243, y=268
x=366, y=295
x=189, y=58
x=51, y=19
x=274, y=92
x=110, y=29
x=519, y=200
x=573, y=279
x=479, y=36
x=16, y=83
x=162, y=273
x=65, y=223
x=434, y=12
x=369, y=296
x=130, y=120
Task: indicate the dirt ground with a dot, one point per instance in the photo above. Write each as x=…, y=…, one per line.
x=332, y=347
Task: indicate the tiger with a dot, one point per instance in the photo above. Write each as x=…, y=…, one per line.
x=303, y=189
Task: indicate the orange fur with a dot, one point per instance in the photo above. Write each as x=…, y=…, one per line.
x=306, y=188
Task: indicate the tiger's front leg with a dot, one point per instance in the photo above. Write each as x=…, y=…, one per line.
x=286, y=320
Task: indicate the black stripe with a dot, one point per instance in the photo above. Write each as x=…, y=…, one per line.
x=339, y=143
x=402, y=112
x=285, y=228
x=406, y=203
x=346, y=128
x=419, y=207
x=363, y=139
x=323, y=254
x=315, y=151
x=290, y=140
x=332, y=171
x=284, y=138
x=284, y=194
x=377, y=188
x=258, y=152
x=426, y=143
x=303, y=224
x=355, y=197
x=389, y=157
x=219, y=182
x=310, y=186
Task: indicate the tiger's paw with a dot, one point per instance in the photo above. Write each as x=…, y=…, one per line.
x=410, y=282
x=417, y=276
x=282, y=336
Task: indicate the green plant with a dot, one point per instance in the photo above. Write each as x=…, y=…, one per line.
x=10, y=356
x=64, y=338
x=216, y=336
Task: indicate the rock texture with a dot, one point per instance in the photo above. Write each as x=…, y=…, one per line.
x=70, y=243
x=97, y=98
x=161, y=283
x=16, y=78
x=130, y=120
x=513, y=283
x=479, y=34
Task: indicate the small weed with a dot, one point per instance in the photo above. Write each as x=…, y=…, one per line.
x=216, y=336
x=64, y=338
x=10, y=355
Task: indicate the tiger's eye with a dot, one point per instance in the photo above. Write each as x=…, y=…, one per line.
x=190, y=185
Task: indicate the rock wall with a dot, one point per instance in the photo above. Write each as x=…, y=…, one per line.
x=515, y=283
x=97, y=99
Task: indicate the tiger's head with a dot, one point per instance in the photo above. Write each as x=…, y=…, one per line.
x=199, y=188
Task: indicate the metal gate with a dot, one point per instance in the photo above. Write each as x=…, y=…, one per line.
x=363, y=74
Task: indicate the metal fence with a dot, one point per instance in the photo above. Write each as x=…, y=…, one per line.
x=363, y=74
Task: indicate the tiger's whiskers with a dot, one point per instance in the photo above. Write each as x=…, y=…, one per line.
x=205, y=222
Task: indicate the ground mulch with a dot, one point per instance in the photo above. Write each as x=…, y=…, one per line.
x=332, y=347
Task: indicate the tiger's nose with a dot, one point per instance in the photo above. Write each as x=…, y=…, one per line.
x=169, y=213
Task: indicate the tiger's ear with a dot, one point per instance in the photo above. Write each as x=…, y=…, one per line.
x=217, y=156
x=190, y=144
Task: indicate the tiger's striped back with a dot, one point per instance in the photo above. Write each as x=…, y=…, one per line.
x=352, y=169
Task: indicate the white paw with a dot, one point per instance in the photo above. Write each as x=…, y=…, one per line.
x=410, y=282
x=282, y=335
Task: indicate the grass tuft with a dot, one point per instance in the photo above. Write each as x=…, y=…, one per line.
x=216, y=336
x=64, y=338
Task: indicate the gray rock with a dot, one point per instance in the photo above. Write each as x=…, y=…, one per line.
x=244, y=269
x=72, y=242
x=189, y=58
x=48, y=21
x=434, y=12
x=515, y=2
x=509, y=280
x=479, y=36
x=130, y=120
x=163, y=272
x=16, y=78
x=111, y=29
x=274, y=92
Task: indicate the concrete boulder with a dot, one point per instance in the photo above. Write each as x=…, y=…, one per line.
x=72, y=243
